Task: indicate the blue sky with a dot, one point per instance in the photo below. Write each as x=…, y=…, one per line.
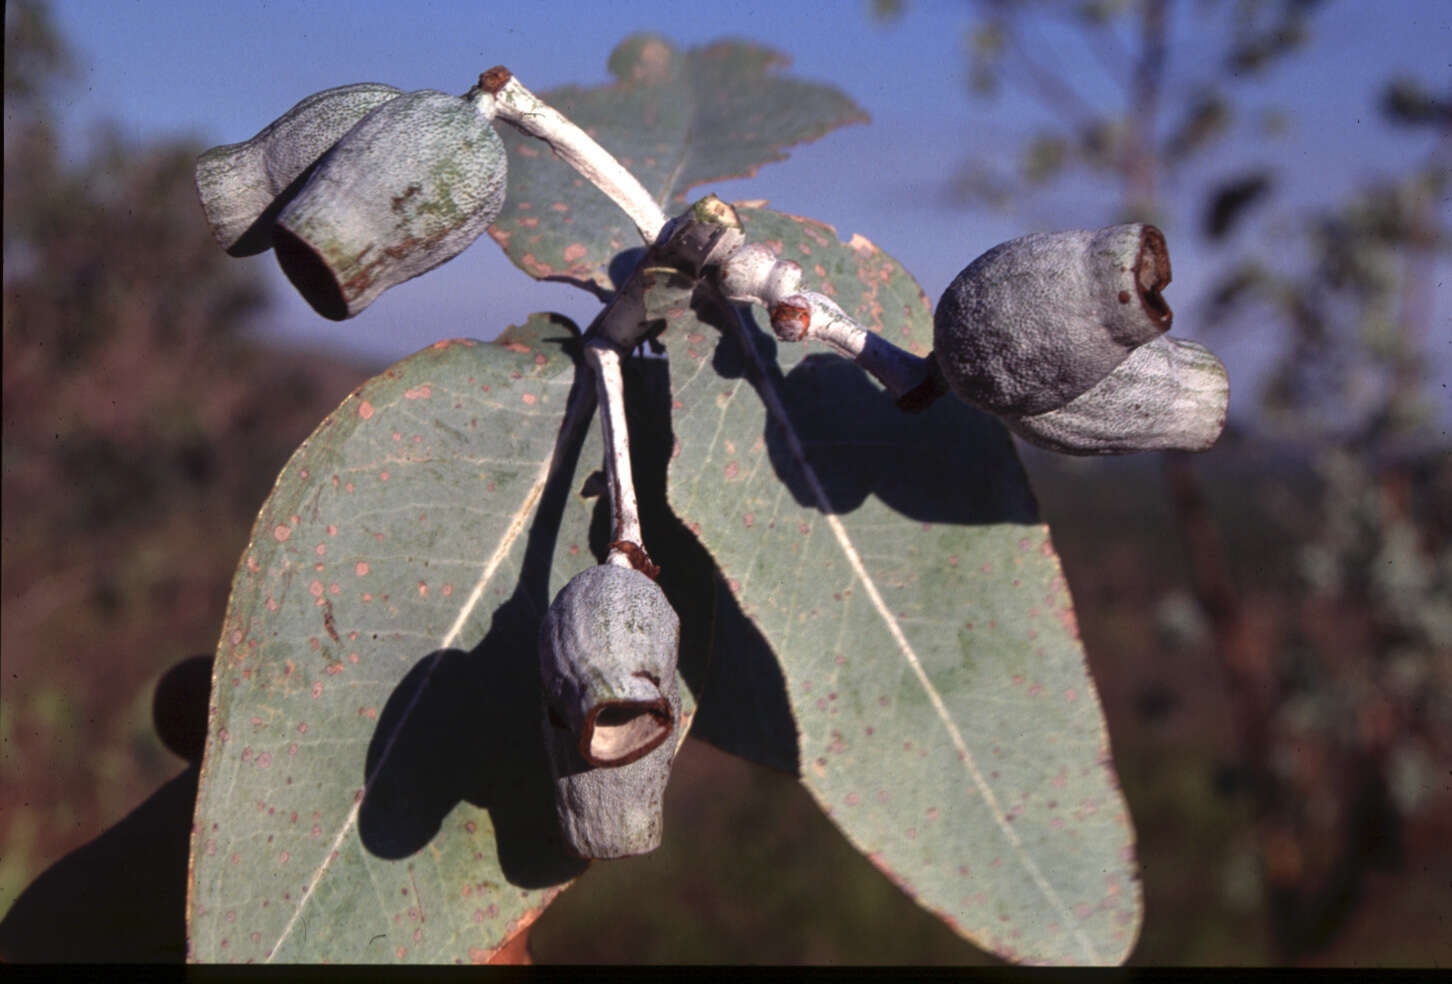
x=219, y=72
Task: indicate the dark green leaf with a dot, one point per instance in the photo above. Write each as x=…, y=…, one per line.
x=676, y=120
x=896, y=567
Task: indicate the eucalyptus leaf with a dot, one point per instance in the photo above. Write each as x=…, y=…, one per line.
x=676, y=120
x=375, y=786
x=896, y=567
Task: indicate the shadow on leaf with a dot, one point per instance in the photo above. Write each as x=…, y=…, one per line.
x=465, y=726
x=743, y=707
x=949, y=464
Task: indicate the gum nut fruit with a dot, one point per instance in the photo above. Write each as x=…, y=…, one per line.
x=615, y=812
x=244, y=185
x=1036, y=321
x=607, y=649
x=1169, y=394
x=406, y=189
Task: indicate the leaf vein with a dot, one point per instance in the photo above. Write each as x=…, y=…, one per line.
x=515, y=528
x=777, y=409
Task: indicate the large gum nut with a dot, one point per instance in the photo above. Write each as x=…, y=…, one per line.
x=406, y=189
x=244, y=185
x=608, y=649
x=1034, y=322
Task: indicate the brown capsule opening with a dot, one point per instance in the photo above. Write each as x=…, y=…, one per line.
x=790, y=321
x=619, y=732
x=493, y=79
x=1152, y=275
x=308, y=272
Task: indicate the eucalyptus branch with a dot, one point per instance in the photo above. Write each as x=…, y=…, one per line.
x=500, y=95
x=754, y=274
x=689, y=246
x=692, y=244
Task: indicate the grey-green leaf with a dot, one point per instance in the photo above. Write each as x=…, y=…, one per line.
x=375, y=786
x=896, y=567
x=676, y=120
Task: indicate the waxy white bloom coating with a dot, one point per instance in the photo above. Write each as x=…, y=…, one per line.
x=1061, y=335
x=409, y=187
x=1168, y=395
x=608, y=649
x=1036, y=321
x=755, y=275
x=244, y=185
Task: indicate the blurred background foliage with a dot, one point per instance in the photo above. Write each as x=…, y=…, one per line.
x=1312, y=577
x=1270, y=625
x=141, y=429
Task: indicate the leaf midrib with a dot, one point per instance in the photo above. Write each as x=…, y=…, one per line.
x=517, y=524
x=777, y=409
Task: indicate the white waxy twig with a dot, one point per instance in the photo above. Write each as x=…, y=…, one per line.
x=627, y=548
x=754, y=274
x=500, y=95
